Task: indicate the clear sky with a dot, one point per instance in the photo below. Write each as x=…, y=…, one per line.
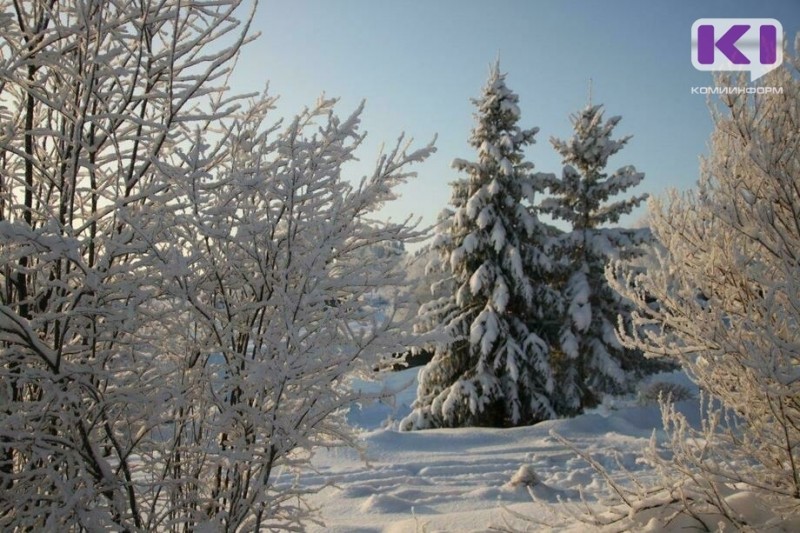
x=417, y=63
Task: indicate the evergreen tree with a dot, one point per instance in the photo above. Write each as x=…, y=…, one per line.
x=590, y=360
x=490, y=367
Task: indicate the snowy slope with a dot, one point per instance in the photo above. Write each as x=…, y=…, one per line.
x=459, y=479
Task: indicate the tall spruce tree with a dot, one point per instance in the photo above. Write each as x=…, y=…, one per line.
x=491, y=366
x=590, y=360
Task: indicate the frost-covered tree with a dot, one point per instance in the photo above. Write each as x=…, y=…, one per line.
x=95, y=97
x=728, y=290
x=166, y=343
x=490, y=365
x=278, y=297
x=589, y=360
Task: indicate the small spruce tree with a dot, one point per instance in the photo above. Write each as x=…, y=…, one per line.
x=589, y=360
x=491, y=366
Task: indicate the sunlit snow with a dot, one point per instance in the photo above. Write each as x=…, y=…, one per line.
x=468, y=479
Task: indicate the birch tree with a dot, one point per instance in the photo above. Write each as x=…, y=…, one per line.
x=728, y=310
x=279, y=295
x=165, y=263
x=95, y=97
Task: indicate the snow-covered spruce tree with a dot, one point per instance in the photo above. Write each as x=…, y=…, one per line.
x=491, y=366
x=589, y=360
x=279, y=298
x=728, y=289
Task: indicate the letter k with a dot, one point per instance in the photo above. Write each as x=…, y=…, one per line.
x=726, y=44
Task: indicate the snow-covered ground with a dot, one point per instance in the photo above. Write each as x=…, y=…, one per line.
x=461, y=479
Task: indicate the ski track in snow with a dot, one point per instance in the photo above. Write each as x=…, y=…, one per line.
x=458, y=479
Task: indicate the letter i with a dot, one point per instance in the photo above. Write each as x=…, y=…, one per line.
x=768, y=44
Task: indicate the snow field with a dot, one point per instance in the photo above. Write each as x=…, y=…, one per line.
x=460, y=480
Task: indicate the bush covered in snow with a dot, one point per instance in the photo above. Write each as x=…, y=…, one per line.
x=735, y=242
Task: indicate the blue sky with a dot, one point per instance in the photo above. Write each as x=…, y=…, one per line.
x=417, y=63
